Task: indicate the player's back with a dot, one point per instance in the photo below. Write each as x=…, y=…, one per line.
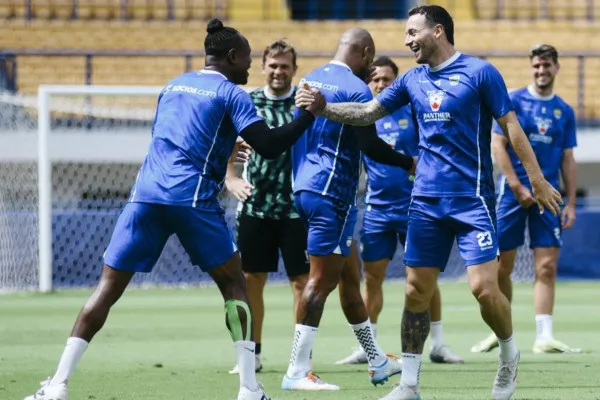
x=326, y=160
x=198, y=117
x=388, y=185
x=549, y=123
x=454, y=105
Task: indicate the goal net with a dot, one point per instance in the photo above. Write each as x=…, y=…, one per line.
x=68, y=159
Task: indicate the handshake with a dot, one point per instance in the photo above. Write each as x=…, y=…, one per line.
x=310, y=99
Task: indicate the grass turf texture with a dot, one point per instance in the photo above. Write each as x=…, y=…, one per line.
x=173, y=344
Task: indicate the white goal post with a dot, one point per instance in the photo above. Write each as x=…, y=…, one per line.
x=45, y=93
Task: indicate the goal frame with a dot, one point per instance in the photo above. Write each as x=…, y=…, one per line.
x=44, y=160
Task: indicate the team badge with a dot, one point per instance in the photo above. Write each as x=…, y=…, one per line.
x=454, y=80
x=403, y=123
x=543, y=124
x=435, y=99
x=557, y=113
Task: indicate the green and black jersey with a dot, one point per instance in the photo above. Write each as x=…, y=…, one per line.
x=272, y=196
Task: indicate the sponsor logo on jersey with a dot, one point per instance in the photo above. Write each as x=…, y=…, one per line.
x=557, y=113
x=320, y=85
x=454, y=80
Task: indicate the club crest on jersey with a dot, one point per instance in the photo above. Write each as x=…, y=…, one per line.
x=390, y=138
x=557, y=113
x=543, y=124
x=403, y=123
x=435, y=99
x=454, y=80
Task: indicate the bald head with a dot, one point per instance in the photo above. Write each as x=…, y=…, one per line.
x=357, y=49
x=357, y=37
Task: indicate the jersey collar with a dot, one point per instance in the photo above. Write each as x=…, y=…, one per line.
x=445, y=63
x=211, y=72
x=341, y=64
x=271, y=96
x=538, y=96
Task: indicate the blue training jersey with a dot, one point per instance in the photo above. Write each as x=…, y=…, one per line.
x=549, y=123
x=198, y=118
x=454, y=105
x=388, y=185
x=327, y=160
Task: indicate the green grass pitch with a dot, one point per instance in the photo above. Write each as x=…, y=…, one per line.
x=172, y=344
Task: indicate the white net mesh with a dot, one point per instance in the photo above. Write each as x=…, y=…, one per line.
x=96, y=144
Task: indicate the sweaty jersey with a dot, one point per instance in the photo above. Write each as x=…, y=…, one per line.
x=198, y=118
x=549, y=123
x=454, y=105
x=327, y=160
x=388, y=185
x=272, y=195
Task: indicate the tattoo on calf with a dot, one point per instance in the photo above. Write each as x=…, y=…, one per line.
x=415, y=329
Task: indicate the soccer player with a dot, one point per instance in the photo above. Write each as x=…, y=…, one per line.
x=326, y=166
x=454, y=98
x=198, y=119
x=550, y=125
x=384, y=224
x=267, y=220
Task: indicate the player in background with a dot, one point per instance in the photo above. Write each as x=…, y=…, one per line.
x=385, y=220
x=198, y=119
x=326, y=165
x=454, y=98
x=267, y=219
x=550, y=124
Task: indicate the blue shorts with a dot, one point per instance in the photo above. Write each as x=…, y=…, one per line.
x=142, y=231
x=383, y=227
x=544, y=229
x=434, y=223
x=329, y=222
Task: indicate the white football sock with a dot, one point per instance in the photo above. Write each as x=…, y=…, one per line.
x=436, y=334
x=411, y=369
x=374, y=329
x=508, y=349
x=246, y=361
x=543, y=325
x=304, y=337
x=366, y=338
x=71, y=355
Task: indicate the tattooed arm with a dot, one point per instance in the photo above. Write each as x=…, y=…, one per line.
x=361, y=114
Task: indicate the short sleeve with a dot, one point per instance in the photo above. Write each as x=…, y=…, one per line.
x=240, y=107
x=570, y=130
x=492, y=91
x=396, y=95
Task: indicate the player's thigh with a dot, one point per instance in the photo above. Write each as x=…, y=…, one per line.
x=544, y=229
x=429, y=238
x=292, y=240
x=475, y=224
x=138, y=238
x=257, y=241
x=204, y=235
x=377, y=237
x=330, y=224
x=511, y=222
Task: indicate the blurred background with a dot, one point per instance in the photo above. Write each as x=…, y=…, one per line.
x=97, y=142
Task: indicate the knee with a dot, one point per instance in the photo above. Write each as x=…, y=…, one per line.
x=298, y=283
x=316, y=288
x=546, y=269
x=373, y=281
x=418, y=294
x=505, y=271
x=485, y=291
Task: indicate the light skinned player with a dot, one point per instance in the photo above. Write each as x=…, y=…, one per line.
x=550, y=125
x=455, y=98
x=387, y=198
x=198, y=119
x=326, y=165
x=267, y=220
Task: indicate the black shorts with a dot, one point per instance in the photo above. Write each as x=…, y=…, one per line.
x=260, y=239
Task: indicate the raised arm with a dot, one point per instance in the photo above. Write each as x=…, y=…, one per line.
x=360, y=114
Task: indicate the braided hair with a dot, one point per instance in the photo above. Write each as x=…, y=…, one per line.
x=220, y=39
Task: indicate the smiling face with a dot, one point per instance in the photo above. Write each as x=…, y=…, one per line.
x=279, y=71
x=543, y=70
x=383, y=76
x=421, y=37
